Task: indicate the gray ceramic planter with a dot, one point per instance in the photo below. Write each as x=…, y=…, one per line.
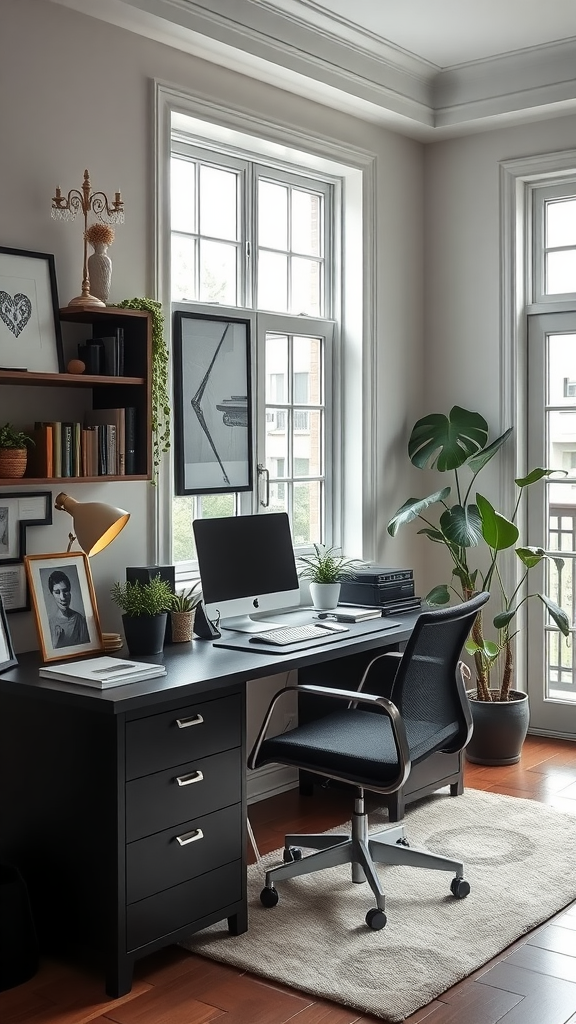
x=500, y=729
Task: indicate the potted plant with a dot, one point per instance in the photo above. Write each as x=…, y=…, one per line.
x=326, y=569
x=13, y=451
x=182, y=609
x=145, y=607
x=475, y=534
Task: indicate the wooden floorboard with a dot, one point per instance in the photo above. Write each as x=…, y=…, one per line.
x=531, y=982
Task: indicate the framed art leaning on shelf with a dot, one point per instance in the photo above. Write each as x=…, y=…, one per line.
x=64, y=605
x=30, y=336
x=7, y=656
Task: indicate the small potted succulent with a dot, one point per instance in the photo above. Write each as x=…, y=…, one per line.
x=13, y=452
x=182, y=610
x=145, y=608
x=326, y=569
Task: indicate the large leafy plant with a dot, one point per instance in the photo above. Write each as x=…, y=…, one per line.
x=474, y=534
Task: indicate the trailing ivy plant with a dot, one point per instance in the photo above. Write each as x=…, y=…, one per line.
x=160, y=395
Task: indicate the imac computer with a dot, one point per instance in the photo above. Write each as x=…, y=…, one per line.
x=247, y=567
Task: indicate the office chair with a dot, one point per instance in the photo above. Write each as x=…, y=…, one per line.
x=372, y=744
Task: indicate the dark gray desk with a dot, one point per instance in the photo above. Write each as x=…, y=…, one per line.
x=125, y=809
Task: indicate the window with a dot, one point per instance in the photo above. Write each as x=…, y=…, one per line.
x=554, y=233
x=262, y=238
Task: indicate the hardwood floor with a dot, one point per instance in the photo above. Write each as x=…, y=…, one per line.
x=531, y=982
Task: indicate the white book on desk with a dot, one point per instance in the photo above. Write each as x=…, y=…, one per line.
x=102, y=672
x=348, y=613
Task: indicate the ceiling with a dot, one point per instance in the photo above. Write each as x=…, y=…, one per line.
x=428, y=68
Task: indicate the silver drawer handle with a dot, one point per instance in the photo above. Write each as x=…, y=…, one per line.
x=187, y=780
x=185, y=723
x=191, y=837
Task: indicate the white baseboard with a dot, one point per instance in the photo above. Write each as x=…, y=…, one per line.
x=269, y=781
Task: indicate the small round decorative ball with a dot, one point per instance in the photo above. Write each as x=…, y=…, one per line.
x=76, y=366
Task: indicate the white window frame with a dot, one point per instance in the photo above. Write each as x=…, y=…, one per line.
x=354, y=461
x=539, y=195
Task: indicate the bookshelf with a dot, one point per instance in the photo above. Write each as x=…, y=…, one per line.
x=67, y=397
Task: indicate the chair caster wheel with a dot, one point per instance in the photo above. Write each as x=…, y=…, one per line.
x=269, y=896
x=459, y=888
x=402, y=842
x=376, y=919
x=291, y=853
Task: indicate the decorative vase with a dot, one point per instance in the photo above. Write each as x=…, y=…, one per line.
x=325, y=596
x=100, y=272
x=500, y=729
x=145, y=633
x=13, y=462
x=182, y=626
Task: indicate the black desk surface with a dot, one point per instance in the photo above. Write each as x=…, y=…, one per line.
x=198, y=666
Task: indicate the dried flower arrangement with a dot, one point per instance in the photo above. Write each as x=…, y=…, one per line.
x=99, y=234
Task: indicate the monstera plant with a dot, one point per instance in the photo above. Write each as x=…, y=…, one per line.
x=475, y=534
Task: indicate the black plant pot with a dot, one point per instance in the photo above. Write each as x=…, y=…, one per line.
x=500, y=729
x=145, y=633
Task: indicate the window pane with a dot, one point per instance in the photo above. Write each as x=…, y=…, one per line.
x=306, y=223
x=308, y=367
x=183, y=268
x=272, y=215
x=182, y=195
x=278, y=498
x=276, y=442
x=218, y=272
x=307, y=513
x=561, y=223
x=561, y=369
x=273, y=282
x=183, y=513
x=308, y=438
x=306, y=286
x=276, y=368
x=218, y=203
x=560, y=272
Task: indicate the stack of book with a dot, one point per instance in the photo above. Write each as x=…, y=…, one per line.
x=102, y=673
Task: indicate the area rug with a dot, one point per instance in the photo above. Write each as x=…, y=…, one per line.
x=519, y=859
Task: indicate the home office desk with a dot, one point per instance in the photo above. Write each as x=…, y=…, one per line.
x=125, y=809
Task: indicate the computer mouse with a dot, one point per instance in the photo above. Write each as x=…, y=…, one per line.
x=322, y=615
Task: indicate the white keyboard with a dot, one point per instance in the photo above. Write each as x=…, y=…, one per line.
x=294, y=634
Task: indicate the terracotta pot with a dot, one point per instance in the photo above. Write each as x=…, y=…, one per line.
x=500, y=729
x=182, y=626
x=13, y=462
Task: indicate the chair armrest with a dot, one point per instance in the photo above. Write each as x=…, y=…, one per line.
x=353, y=697
x=393, y=660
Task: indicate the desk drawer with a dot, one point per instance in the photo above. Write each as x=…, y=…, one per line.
x=161, y=861
x=183, y=904
x=189, y=732
x=154, y=802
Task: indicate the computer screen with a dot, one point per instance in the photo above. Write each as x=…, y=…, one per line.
x=247, y=567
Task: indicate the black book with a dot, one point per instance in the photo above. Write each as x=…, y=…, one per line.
x=110, y=361
x=130, y=440
x=120, y=351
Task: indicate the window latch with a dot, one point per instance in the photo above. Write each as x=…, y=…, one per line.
x=263, y=472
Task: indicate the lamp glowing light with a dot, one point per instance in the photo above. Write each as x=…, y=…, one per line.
x=94, y=523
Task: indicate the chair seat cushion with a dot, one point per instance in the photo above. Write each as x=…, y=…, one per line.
x=353, y=744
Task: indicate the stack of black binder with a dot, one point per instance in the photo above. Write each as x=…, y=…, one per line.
x=374, y=586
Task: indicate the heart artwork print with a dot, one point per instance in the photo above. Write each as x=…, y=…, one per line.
x=15, y=311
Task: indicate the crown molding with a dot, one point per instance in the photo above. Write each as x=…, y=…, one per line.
x=327, y=59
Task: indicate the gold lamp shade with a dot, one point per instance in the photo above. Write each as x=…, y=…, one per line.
x=95, y=524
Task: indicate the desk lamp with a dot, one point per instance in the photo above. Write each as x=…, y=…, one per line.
x=95, y=524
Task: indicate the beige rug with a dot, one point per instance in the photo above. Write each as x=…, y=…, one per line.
x=520, y=859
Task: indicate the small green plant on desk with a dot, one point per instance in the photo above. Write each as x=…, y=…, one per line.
x=137, y=599
x=326, y=566
x=186, y=600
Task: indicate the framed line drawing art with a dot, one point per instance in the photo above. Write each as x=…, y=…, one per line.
x=212, y=404
x=64, y=605
x=30, y=335
x=7, y=656
x=18, y=511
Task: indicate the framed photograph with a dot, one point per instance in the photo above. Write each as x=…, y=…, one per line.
x=64, y=605
x=13, y=587
x=30, y=335
x=212, y=404
x=7, y=656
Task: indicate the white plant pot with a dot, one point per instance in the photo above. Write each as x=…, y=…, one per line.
x=325, y=596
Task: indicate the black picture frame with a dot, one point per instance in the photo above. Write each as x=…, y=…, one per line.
x=212, y=404
x=7, y=657
x=18, y=511
x=30, y=332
